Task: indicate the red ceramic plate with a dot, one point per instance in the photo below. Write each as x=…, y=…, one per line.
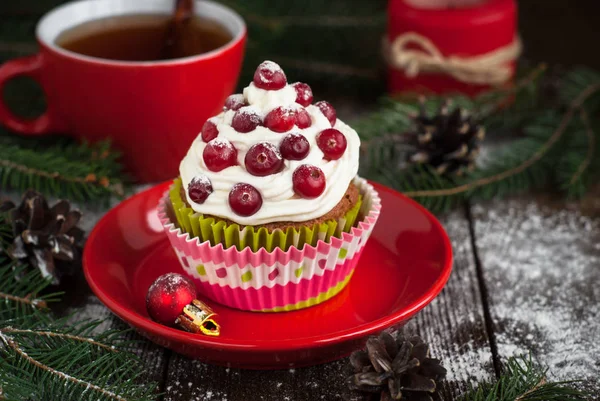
x=405, y=264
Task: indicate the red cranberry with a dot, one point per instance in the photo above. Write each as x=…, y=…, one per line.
x=245, y=120
x=328, y=111
x=209, y=131
x=309, y=181
x=219, y=154
x=302, y=118
x=235, y=102
x=244, y=199
x=269, y=76
x=280, y=119
x=304, y=95
x=294, y=147
x=199, y=188
x=167, y=297
x=332, y=143
x=263, y=159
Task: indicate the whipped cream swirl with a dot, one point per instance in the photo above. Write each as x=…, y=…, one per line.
x=280, y=203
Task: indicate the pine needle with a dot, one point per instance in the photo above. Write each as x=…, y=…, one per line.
x=43, y=358
x=523, y=380
x=80, y=172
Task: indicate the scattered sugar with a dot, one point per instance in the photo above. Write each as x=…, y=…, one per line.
x=303, y=88
x=271, y=147
x=270, y=68
x=541, y=296
x=171, y=282
x=220, y=143
x=250, y=111
x=235, y=100
x=201, y=179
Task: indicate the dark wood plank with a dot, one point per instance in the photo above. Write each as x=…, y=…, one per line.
x=453, y=324
x=540, y=264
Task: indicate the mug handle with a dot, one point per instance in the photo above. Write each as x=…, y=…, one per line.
x=29, y=66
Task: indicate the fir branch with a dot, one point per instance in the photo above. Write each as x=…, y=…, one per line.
x=62, y=376
x=64, y=169
x=591, y=145
x=10, y=330
x=42, y=358
x=34, y=303
x=523, y=380
x=537, y=156
x=21, y=298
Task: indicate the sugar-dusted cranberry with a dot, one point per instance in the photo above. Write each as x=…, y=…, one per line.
x=244, y=199
x=246, y=119
x=263, y=159
x=219, y=154
x=269, y=76
x=280, y=119
x=235, y=102
x=199, y=188
x=332, y=143
x=308, y=181
x=304, y=95
x=302, y=118
x=209, y=131
x=328, y=111
x=294, y=147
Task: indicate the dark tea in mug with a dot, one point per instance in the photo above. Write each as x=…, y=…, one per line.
x=142, y=37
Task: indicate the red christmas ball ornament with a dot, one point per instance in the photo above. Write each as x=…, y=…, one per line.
x=167, y=297
x=171, y=300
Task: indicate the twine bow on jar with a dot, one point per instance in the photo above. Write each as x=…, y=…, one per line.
x=492, y=68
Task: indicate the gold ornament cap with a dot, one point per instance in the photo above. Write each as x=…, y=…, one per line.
x=198, y=318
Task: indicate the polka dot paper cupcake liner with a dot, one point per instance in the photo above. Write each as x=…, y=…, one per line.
x=276, y=280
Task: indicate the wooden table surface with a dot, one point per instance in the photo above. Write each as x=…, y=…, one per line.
x=526, y=273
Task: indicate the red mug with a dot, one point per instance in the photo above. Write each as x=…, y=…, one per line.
x=152, y=110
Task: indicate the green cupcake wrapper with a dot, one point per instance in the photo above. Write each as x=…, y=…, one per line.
x=219, y=232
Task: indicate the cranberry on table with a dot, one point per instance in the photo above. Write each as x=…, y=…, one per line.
x=304, y=95
x=219, y=154
x=308, y=181
x=244, y=199
x=167, y=297
x=263, y=159
x=269, y=76
x=245, y=120
x=280, y=119
x=209, y=131
x=328, y=111
x=235, y=102
x=199, y=188
x=302, y=118
x=294, y=147
x=332, y=143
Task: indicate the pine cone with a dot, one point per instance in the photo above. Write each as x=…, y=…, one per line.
x=47, y=237
x=6, y=205
x=396, y=369
x=448, y=141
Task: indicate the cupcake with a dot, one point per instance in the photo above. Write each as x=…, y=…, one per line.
x=268, y=213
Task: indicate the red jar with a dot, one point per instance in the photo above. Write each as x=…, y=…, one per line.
x=459, y=32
